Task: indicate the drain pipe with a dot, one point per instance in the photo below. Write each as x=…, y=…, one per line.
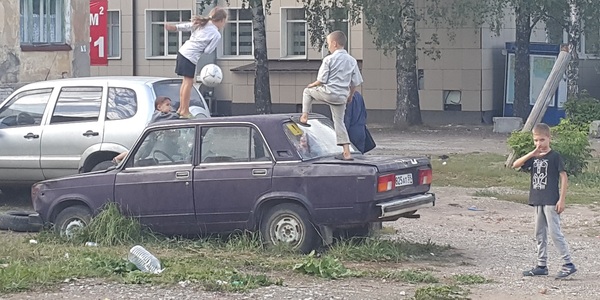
x=134, y=40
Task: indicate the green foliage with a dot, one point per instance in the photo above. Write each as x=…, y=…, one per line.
x=325, y=267
x=441, y=292
x=412, y=276
x=581, y=111
x=111, y=228
x=567, y=139
x=380, y=250
x=469, y=279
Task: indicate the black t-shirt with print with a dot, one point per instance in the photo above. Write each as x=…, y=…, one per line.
x=545, y=178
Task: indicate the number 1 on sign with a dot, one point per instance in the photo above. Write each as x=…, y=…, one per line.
x=100, y=44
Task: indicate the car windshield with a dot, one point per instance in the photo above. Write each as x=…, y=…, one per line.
x=170, y=89
x=315, y=141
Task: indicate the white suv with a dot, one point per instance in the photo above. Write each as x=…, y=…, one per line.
x=61, y=127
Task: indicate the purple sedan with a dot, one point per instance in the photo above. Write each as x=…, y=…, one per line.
x=261, y=173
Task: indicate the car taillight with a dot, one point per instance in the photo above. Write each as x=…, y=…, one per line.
x=385, y=183
x=425, y=176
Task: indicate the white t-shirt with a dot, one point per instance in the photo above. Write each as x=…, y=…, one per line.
x=203, y=40
x=338, y=72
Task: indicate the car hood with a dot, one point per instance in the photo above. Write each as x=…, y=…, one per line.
x=382, y=163
x=89, y=179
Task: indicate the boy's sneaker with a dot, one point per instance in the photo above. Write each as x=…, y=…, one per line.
x=566, y=271
x=537, y=271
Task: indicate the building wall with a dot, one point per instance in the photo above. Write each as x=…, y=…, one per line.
x=19, y=67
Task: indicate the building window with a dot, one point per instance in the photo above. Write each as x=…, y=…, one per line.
x=114, y=34
x=338, y=20
x=590, y=41
x=159, y=41
x=42, y=21
x=294, y=32
x=237, y=35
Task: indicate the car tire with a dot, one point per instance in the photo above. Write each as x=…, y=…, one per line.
x=103, y=165
x=289, y=223
x=18, y=221
x=71, y=219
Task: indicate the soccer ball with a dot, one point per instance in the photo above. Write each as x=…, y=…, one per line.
x=211, y=75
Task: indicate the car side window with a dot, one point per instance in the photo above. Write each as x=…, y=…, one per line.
x=232, y=144
x=122, y=103
x=25, y=109
x=77, y=104
x=172, y=146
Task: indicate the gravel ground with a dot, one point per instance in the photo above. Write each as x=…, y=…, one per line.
x=496, y=243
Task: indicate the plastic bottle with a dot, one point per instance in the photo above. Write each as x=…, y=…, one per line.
x=91, y=244
x=144, y=260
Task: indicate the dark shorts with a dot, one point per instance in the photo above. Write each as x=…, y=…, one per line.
x=184, y=67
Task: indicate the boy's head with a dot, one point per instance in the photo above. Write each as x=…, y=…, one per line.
x=163, y=104
x=336, y=40
x=541, y=136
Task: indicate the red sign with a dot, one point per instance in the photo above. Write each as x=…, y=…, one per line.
x=98, y=33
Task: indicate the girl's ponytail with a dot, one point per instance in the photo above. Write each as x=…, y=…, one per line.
x=216, y=14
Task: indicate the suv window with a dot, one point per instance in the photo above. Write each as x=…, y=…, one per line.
x=122, y=103
x=170, y=89
x=166, y=147
x=25, y=109
x=77, y=104
x=232, y=144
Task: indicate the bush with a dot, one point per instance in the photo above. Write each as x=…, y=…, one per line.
x=583, y=110
x=567, y=139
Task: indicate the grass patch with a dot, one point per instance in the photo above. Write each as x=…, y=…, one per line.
x=326, y=267
x=441, y=292
x=381, y=250
x=485, y=170
x=410, y=276
x=467, y=279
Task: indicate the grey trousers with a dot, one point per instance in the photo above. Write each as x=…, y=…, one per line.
x=547, y=221
x=337, y=105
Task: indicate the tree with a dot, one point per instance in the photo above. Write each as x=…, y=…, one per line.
x=262, y=85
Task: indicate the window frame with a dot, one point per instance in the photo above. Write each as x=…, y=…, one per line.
x=25, y=93
x=148, y=32
x=135, y=98
x=26, y=31
x=221, y=47
x=284, y=28
x=253, y=131
x=55, y=104
x=581, y=44
x=324, y=50
x=109, y=35
x=130, y=160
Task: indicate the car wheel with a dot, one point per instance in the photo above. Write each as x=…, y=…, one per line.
x=18, y=221
x=290, y=224
x=72, y=219
x=103, y=165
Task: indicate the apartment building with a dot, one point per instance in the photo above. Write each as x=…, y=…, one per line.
x=466, y=85
x=42, y=39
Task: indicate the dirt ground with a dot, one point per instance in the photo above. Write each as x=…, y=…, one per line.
x=495, y=242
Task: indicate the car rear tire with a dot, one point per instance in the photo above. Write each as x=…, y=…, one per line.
x=18, y=221
x=72, y=219
x=290, y=224
x=103, y=165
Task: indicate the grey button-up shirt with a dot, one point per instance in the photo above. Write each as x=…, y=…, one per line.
x=338, y=72
x=203, y=40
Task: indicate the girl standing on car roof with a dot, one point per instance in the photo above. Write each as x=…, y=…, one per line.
x=203, y=40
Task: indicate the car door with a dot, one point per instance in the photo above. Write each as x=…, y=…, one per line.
x=234, y=171
x=155, y=184
x=76, y=124
x=20, y=132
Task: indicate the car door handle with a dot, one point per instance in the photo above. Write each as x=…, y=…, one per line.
x=259, y=172
x=90, y=133
x=182, y=174
x=32, y=136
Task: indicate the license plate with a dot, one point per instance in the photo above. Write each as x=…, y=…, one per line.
x=404, y=179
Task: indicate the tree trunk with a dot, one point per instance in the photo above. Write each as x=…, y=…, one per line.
x=262, y=86
x=408, y=110
x=521, y=104
x=574, y=35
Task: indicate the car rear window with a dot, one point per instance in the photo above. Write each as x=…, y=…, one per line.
x=171, y=89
